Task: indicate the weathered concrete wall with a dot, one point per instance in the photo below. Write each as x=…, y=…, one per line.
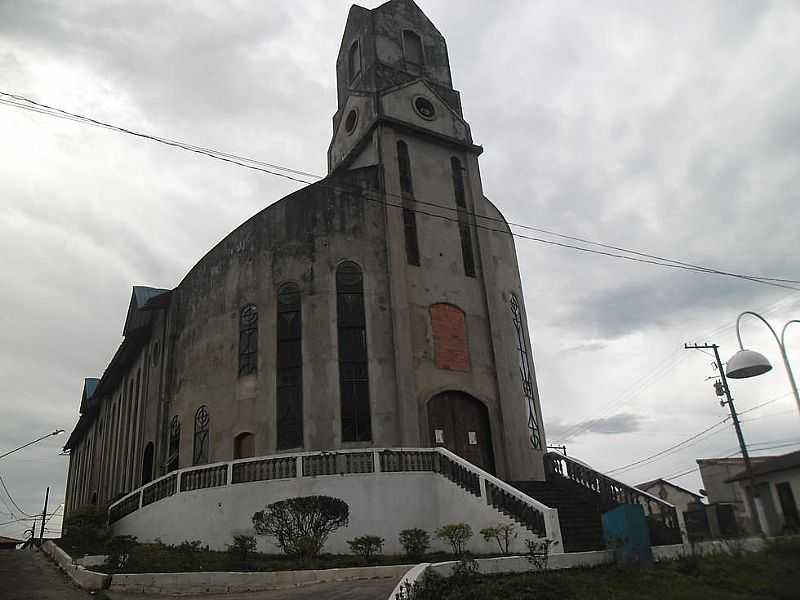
x=380, y=504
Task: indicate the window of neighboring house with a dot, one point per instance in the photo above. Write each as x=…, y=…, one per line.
x=463, y=220
x=412, y=48
x=173, y=460
x=353, y=375
x=200, y=446
x=289, y=371
x=244, y=446
x=409, y=216
x=248, y=339
x=791, y=519
x=354, y=60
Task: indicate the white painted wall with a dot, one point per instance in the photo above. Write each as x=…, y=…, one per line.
x=380, y=504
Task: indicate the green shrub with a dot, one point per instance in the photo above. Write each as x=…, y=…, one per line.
x=301, y=526
x=366, y=546
x=243, y=546
x=415, y=542
x=86, y=531
x=455, y=534
x=502, y=533
x=119, y=549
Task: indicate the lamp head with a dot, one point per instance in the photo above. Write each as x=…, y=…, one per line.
x=747, y=363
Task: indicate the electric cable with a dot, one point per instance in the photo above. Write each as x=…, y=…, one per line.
x=10, y=497
x=291, y=174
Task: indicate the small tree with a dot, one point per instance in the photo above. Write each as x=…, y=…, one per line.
x=538, y=552
x=366, y=546
x=455, y=534
x=502, y=533
x=301, y=525
x=415, y=542
x=242, y=546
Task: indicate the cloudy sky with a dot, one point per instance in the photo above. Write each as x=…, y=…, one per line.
x=668, y=128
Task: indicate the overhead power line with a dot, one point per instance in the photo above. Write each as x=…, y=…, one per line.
x=749, y=447
x=22, y=102
x=10, y=497
x=648, y=459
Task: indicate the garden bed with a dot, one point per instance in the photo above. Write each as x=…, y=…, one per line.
x=773, y=574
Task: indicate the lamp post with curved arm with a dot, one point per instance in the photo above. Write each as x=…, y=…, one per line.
x=749, y=363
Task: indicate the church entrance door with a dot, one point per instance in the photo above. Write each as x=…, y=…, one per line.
x=460, y=423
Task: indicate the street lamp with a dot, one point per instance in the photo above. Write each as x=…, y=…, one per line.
x=749, y=363
x=56, y=432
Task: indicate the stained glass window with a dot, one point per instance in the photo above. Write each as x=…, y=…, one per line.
x=200, y=452
x=289, y=373
x=248, y=339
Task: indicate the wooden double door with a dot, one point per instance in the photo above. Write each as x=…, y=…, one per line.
x=460, y=423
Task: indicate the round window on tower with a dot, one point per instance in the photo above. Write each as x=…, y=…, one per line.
x=351, y=121
x=424, y=108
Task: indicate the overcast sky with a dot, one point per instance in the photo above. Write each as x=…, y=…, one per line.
x=669, y=128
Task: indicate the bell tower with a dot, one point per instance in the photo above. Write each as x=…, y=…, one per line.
x=392, y=67
x=451, y=267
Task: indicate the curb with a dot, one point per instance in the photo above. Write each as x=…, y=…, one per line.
x=88, y=580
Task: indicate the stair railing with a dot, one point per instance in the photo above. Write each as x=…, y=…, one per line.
x=532, y=514
x=612, y=492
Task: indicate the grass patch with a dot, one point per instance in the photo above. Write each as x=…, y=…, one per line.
x=773, y=574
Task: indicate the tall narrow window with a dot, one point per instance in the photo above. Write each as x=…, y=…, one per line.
x=463, y=222
x=525, y=372
x=289, y=373
x=200, y=446
x=409, y=216
x=353, y=376
x=173, y=460
x=248, y=339
x=412, y=47
x=354, y=61
x=147, y=464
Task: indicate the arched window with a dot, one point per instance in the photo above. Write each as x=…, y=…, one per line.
x=248, y=339
x=412, y=48
x=147, y=464
x=409, y=216
x=173, y=459
x=244, y=446
x=200, y=446
x=354, y=60
x=353, y=376
x=289, y=372
x=463, y=222
x=525, y=371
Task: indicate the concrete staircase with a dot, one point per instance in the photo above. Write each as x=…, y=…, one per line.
x=578, y=513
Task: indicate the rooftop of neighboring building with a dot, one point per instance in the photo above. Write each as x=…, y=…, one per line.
x=647, y=485
x=771, y=464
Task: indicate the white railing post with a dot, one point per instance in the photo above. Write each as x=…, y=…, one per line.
x=299, y=466
x=482, y=486
x=552, y=528
x=376, y=461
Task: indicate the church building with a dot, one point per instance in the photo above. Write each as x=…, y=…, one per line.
x=369, y=320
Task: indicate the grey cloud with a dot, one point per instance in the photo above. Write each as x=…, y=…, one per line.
x=619, y=423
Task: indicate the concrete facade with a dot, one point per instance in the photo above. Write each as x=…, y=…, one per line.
x=182, y=346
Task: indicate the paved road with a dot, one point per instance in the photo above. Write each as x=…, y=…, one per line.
x=368, y=589
x=29, y=575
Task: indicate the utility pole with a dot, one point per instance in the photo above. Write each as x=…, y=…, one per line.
x=736, y=425
x=44, y=515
